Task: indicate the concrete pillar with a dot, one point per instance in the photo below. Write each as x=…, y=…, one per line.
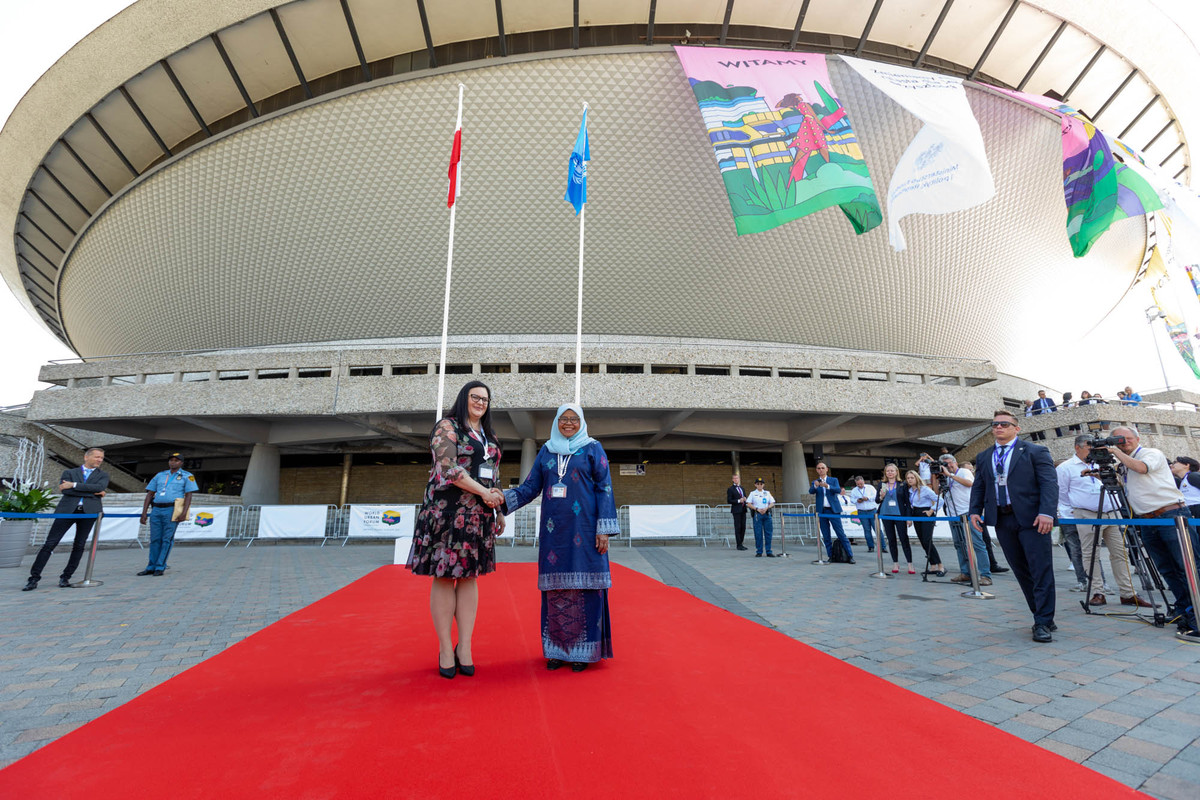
x=735, y=459
x=795, y=473
x=261, y=487
x=347, y=461
x=529, y=451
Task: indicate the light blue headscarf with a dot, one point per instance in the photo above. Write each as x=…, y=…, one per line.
x=560, y=444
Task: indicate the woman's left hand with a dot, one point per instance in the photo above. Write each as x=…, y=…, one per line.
x=601, y=543
x=499, y=524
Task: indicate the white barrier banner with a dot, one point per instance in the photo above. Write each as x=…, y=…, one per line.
x=382, y=522
x=291, y=522
x=204, y=522
x=403, y=547
x=120, y=529
x=648, y=522
x=945, y=166
x=510, y=523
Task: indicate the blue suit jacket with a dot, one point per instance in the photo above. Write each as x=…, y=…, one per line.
x=1032, y=484
x=835, y=489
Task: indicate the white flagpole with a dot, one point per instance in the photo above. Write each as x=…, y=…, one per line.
x=437, y=411
x=579, y=311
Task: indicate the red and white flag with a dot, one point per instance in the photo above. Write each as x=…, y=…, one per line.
x=455, y=172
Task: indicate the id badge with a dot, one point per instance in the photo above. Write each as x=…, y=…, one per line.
x=1002, y=479
x=486, y=472
x=559, y=491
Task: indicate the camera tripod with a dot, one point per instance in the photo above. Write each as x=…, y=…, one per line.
x=1139, y=559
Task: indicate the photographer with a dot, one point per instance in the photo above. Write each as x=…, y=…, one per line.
x=925, y=468
x=1082, y=492
x=958, y=502
x=1153, y=495
x=1187, y=476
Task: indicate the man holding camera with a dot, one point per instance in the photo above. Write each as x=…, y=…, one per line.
x=1016, y=490
x=958, y=502
x=1153, y=495
x=1082, y=492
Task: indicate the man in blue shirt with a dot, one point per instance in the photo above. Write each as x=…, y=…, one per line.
x=173, y=483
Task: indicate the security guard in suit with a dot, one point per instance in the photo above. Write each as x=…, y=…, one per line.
x=162, y=491
x=82, y=491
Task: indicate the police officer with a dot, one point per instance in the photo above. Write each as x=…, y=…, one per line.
x=162, y=491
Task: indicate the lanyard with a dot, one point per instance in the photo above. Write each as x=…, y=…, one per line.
x=563, y=461
x=482, y=437
x=998, y=460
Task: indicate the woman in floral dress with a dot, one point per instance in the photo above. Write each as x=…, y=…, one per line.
x=454, y=540
x=570, y=475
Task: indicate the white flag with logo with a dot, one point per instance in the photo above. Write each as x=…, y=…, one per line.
x=945, y=167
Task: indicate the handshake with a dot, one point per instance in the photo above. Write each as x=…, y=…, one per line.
x=493, y=497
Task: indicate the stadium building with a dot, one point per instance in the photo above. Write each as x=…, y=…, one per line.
x=234, y=213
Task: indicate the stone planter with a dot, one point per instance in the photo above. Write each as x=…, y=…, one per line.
x=15, y=535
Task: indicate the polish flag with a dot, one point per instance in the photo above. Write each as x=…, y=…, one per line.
x=455, y=172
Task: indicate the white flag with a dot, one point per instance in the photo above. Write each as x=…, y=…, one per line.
x=945, y=167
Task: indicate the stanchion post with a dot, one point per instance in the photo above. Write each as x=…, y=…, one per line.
x=783, y=553
x=879, y=549
x=87, y=582
x=820, y=551
x=1189, y=570
x=969, y=542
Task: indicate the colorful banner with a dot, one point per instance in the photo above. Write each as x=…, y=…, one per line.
x=783, y=142
x=945, y=166
x=204, y=522
x=1099, y=189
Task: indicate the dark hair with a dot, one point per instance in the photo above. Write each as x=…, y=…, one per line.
x=458, y=411
x=1192, y=464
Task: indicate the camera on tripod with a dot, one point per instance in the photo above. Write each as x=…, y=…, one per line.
x=1102, y=461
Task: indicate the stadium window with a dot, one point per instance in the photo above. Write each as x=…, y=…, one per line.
x=712, y=370
x=121, y=380
x=195, y=377
x=1172, y=430
x=410, y=369
x=835, y=374
x=626, y=369
x=754, y=372
x=366, y=371
x=314, y=373
x=495, y=368
x=944, y=380
x=908, y=377
x=872, y=376
x=795, y=373
x=585, y=369
x=160, y=377
x=667, y=369
x=272, y=374
x=458, y=369
x=233, y=375
x=538, y=368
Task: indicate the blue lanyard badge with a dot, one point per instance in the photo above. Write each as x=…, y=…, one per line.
x=559, y=490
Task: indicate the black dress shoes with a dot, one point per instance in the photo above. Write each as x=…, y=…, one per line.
x=30, y=585
x=158, y=573
x=465, y=669
x=63, y=583
x=447, y=672
x=996, y=569
x=146, y=572
x=554, y=663
x=578, y=666
x=1052, y=627
x=1041, y=633
x=742, y=547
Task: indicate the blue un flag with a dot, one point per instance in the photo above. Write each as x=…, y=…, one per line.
x=577, y=169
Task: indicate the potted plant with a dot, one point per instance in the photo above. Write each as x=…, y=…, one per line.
x=15, y=534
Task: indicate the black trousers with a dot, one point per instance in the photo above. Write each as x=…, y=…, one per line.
x=57, y=530
x=739, y=528
x=1031, y=556
x=925, y=537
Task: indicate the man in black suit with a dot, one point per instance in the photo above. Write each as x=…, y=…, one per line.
x=82, y=489
x=1016, y=492
x=736, y=497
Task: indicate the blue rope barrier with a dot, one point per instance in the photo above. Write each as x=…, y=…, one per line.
x=131, y=516
x=19, y=515
x=1167, y=521
x=920, y=519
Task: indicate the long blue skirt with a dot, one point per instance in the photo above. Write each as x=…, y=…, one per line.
x=576, y=625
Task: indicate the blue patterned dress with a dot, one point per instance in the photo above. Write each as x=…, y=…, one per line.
x=574, y=579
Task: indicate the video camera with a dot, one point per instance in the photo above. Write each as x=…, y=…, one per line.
x=1102, y=460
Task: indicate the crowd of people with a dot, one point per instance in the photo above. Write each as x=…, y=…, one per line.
x=1044, y=405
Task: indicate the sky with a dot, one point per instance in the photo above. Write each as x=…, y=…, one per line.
x=33, y=35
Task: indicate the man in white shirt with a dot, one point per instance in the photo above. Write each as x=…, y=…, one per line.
x=863, y=496
x=1083, y=495
x=958, y=503
x=761, y=502
x=1153, y=495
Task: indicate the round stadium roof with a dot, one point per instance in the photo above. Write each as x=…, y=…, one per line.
x=242, y=174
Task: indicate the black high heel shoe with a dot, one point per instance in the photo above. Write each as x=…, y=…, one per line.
x=447, y=672
x=466, y=669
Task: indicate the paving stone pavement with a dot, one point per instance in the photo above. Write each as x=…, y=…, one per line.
x=1119, y=696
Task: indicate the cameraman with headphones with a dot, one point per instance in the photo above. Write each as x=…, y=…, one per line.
x=1153, y=495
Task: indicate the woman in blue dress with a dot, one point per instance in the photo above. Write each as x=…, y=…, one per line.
x=571, y=476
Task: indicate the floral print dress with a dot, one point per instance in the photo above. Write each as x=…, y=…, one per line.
x=455, y=533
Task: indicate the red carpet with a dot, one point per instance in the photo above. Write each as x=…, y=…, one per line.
x=341, y=700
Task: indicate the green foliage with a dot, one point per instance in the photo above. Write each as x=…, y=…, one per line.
x=26, y=498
